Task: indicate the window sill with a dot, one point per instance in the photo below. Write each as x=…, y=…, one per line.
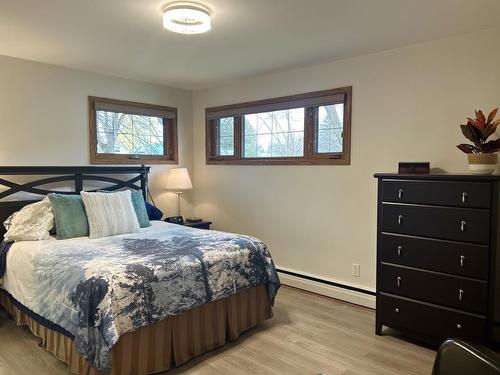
x=278, y=161
x=113, y=159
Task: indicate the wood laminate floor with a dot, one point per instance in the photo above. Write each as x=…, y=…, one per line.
x=308, y=335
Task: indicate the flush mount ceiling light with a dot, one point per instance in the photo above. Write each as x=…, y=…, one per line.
x=186, y=18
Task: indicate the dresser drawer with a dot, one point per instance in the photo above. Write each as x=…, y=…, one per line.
x=458, y=292
x=430, y=320
x=460, y=224
x=457, y=258
x=446, y=193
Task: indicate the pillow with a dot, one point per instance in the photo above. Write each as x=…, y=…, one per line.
x=154, y=213
x=109, y=214
x=69, y=212
x=140, y=208
x=8, y=222
x=32, y=223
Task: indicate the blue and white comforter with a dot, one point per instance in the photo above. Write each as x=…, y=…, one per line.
x=100, y=289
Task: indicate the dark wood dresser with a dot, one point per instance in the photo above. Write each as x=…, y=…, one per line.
x=437, y=256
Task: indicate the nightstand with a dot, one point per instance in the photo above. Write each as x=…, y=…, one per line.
x=200, y=224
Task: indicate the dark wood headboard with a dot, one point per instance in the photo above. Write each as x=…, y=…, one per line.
x=137, y=179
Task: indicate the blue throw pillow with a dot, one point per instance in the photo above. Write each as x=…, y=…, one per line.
x=153, y=212
x=70, y=216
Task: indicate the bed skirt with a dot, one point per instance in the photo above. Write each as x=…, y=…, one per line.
x=165, y=344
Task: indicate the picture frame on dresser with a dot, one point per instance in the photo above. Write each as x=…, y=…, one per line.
x=437, y=256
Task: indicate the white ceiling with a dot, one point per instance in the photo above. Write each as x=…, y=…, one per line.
x=125, y=37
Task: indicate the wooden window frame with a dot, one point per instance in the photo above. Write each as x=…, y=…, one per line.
x=169, y=130
x=309, y=101
x=214, y=127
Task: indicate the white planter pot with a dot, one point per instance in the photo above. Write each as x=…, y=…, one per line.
x=482, y=163
x=482, y=168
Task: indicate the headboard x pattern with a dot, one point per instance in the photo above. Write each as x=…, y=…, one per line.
x=77, y=175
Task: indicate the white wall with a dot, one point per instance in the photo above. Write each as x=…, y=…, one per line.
x=44, y=117
x=407, y=105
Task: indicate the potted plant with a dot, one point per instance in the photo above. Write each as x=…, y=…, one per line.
x=482, y=153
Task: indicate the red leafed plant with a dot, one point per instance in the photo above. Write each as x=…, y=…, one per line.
x=477, y=131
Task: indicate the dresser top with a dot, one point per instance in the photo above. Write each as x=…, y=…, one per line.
x=440, y=176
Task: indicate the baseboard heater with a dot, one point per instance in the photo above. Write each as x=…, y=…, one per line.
x=348, y=293
x=326, y=282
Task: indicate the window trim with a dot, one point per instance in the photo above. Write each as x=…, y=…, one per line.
x=309, y=101
x=169, y=115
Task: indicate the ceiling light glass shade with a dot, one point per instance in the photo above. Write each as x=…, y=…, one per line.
x=186, y=18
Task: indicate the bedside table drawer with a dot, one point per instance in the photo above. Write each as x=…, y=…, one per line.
x=430, y=320
x=460, y=224
x=457, y=258
x=457, y=292
x=445, y=193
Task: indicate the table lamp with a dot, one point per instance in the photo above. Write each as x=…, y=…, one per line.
x=179, y=181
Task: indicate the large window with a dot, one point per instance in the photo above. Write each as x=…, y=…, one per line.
x=131, y=133
x=312, y=128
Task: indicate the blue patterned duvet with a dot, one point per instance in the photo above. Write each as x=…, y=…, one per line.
x=100, y=289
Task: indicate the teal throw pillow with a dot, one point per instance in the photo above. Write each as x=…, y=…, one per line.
x=70, y=216
x=140, y=208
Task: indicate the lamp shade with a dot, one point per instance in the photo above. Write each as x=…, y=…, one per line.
x=178, y=179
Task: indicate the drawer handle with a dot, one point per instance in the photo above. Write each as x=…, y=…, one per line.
x=464, y=197
x=398, y=281
x=400, y=219
x=399, y=250
x=400, y=193
x=462, y=225
x=459, y=326
x=462, y=260
x=396, y=310
x=460, y=295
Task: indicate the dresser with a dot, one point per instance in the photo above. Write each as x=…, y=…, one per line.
x=437, y=256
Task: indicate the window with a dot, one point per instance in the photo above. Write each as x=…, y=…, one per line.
x=274, y=134
x=131, y=133
x=225, y=136
x=311, y=128
x=329, y=129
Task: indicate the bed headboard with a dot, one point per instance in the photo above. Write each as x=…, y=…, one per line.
x=135, y=178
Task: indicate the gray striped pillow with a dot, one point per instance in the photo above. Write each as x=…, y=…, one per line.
x=109, y=214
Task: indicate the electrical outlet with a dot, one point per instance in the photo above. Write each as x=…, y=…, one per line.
x=355, y=269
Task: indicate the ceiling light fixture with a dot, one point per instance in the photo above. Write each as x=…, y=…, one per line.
x=186, y=18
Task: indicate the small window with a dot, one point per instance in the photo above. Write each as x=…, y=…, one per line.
x=131, y=133
x=274, y=134
x=329, y=126
x=312, y=128
x=225, y=136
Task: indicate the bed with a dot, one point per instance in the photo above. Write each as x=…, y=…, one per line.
x=137, y=303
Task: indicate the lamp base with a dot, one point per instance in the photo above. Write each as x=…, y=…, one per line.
x=178, y=202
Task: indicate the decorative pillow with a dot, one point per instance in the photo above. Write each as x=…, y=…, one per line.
x=154, y=213
x=32, y=223
x=140, y=208
x=70, y=216
x=8, y=222
x=109, y=214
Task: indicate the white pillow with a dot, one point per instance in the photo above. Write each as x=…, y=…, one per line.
x=109, y=214
x=8, y=222
x=33, y=222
